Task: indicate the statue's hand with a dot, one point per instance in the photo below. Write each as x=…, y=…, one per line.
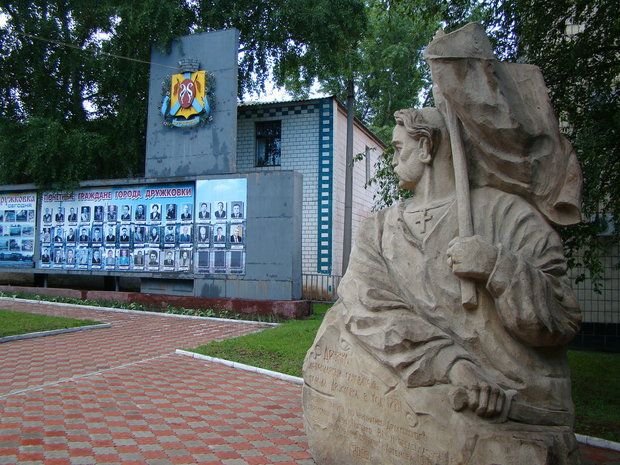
x=474, y=392
x=471, y=257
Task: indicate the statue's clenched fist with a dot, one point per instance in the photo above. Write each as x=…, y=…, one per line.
x=471, y=257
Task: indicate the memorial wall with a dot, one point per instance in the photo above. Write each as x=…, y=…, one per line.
x=177, y=232
x=180, y=228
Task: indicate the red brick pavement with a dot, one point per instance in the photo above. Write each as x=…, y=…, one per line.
x=147, y=405
x=132, y=337
x=169, y=410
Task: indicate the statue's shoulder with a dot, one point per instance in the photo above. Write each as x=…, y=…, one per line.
x=374, y=224
x=497, y=205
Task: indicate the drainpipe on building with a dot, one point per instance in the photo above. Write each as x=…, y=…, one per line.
x=348, y=183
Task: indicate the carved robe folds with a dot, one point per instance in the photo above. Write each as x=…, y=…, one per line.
x=377, y=377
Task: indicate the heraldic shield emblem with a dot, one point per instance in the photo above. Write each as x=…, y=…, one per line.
x=187, y=96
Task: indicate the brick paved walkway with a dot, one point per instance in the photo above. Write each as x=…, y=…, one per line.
x=119, y=395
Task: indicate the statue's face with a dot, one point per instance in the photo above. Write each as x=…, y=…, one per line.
x=407, y=162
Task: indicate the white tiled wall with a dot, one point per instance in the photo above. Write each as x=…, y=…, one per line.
x=362, y=198
x=300, y=152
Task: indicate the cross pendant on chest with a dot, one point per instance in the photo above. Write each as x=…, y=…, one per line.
x=422, y=218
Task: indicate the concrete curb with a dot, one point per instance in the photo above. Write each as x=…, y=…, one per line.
x=52, y=332
x=598, y=442
x=242, y=366
x=588, y=440
x=139, y=312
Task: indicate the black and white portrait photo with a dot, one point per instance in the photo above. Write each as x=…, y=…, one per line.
x=84, y=236
x=140, y=214
x=71, y=236
x=203, y=212
x=186, y=212
x=220, y=213
x=47, y=216
x=237, y=210
x=110, y=237
x=203, y=234
x=154, y=235
x=98, y=215
x=123, y=237
x=126, y=213
x=97, y=235
x=59, y=217
x=112, y=213
x=85, y=215
x=171, y=212
x=72, y=216
x=155, y=214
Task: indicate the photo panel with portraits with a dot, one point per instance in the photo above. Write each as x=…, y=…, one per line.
x=224, y=202
x=122, y=224
x=17, y=224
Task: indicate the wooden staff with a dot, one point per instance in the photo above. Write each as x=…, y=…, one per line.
x=469, y=299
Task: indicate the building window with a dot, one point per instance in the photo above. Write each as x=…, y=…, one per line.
x=268, y=143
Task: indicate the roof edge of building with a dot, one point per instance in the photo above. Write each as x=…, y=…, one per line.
x=358, y=122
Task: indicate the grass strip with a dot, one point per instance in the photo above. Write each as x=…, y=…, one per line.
x=595, y=375
x=14, y=323
x=279, y=349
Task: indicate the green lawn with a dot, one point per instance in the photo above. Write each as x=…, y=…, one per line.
x=279, y=349
x=12, y=323
x=595, y=375
x=596, y=393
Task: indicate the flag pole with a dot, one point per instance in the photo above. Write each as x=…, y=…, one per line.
x=469, y=298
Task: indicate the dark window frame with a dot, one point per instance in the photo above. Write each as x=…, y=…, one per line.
x=268, y=143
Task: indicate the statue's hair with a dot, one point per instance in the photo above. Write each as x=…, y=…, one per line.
x=422, y=122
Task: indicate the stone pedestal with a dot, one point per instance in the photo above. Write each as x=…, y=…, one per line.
x=357, y=411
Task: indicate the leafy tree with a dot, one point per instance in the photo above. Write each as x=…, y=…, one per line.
x=68, y=115
x=577, y=46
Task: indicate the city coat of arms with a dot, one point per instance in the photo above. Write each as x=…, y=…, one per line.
x=187, y=96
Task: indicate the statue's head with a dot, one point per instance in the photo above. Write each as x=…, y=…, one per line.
x=418, y=138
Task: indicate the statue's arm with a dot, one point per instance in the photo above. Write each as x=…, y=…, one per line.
x=520, y=260
x=533, y=296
